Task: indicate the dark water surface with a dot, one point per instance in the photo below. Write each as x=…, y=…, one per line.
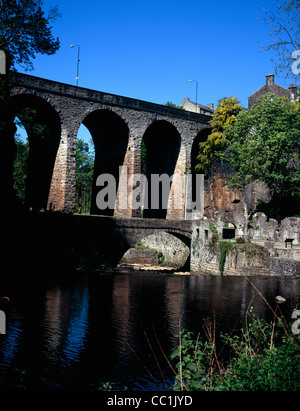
x=75, y=333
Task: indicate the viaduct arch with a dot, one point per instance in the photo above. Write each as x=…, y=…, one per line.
x=119, y=127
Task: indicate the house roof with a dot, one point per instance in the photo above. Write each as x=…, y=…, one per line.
x=269, y=87
x=202, y=106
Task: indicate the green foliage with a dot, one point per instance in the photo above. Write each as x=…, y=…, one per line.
x=262, y=357
x=213, y=228
x=263, y=145
x=140, y=246
x=84, y=176
x=143, y=157
x=28, y=118
x=26, y=31
x=224, y=115
x=225, y=246
x=20, y=168
x=170, y=104
x=160, y=258
x=194, y=362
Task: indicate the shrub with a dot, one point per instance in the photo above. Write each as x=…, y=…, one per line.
x=265, y=357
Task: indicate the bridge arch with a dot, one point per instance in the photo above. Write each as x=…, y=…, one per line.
x=159, y=153
x=42, y=123
x=110, y=135
x=159, y=248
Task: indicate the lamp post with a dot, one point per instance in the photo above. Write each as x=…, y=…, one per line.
x=196, y=93
x=78, y=60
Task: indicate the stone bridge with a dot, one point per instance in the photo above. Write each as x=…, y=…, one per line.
x=118, y=126
x=118, y=235
x=54, y=240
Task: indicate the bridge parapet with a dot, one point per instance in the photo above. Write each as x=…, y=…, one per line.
x=25, y=82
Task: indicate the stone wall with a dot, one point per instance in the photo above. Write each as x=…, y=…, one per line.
x=241, y=259
x=220, y=197
x=159, y=249
x=173, y=249
x=260, y=228
x=284, y=267
x=265, y=254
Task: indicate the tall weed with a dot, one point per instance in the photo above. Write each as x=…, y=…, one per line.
x=262, y=357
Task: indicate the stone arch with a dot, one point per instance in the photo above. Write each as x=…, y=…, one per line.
x=159, y=153
x=110, y=135
x=94, y=108
x=161, y=248
x=43, y=126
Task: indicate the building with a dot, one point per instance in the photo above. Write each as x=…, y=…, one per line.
x=189, y=105
x=271, y=87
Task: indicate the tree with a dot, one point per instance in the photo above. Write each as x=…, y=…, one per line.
x=170, y=104
x=84, y=176
x=263, y=145
x=26, y=31
x=224, y=115
x=284, y=26
x=20, y=168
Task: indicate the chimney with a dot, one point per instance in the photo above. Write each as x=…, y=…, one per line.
x=293, y=88
x=211, y=105
x=270, y=79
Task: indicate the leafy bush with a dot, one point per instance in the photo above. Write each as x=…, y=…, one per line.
x=265, y=357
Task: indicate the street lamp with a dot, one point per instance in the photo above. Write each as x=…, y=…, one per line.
x=78, y=60
x=196, y=93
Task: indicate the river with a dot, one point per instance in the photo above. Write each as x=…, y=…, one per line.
x=77, y=332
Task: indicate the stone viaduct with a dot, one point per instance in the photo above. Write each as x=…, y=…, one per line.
x=118, y=126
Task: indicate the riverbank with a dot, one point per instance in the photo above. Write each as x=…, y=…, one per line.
x=60, y=331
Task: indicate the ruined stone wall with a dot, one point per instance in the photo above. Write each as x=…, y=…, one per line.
x=265, y=254
x=260, y=228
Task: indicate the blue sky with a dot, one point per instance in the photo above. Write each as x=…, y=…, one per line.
x=150, y=49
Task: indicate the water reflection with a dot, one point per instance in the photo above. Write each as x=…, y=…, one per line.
x=9, y=342
x=65, y=323
x=114, y=327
